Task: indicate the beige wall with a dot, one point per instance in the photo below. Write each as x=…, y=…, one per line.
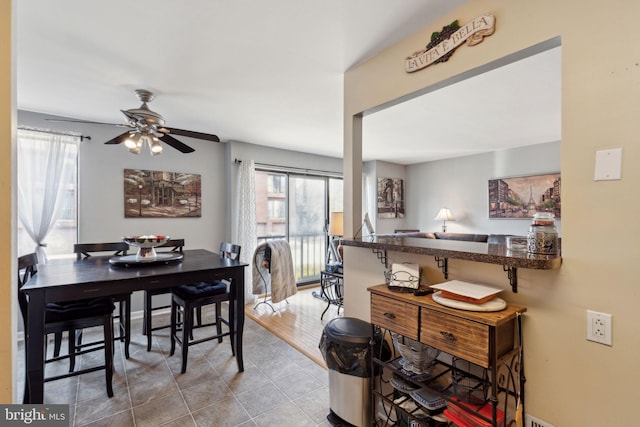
x=570, y=381
x=7, y=126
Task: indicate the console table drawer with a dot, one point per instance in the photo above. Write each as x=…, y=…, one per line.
x=394, y=315
x=454, y=335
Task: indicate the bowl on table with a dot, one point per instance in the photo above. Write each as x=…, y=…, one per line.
x=146, y=245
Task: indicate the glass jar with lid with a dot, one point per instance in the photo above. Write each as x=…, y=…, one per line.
x=543, y=234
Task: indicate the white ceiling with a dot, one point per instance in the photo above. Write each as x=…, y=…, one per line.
x=264, y=72
x=513, y=105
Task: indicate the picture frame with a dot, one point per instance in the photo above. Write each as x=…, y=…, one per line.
x=162, y=194
x=522, y=196
x=390, y=198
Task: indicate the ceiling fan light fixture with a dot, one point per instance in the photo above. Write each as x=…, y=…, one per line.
x=148, y=126
x=136, y=149
x=132, y=141
x=154, y=145
x=137, y=140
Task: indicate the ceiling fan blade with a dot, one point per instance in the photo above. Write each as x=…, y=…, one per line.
x=88, y=122
x=169, y=140
x=119, y=139
x=193, y=134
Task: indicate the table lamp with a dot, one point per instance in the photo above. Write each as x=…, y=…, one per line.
x=336, y=230
x=444, y=215
x=336, y=224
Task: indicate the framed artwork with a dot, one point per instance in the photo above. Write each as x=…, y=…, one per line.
x=159, y=194
x=521, y=197
x=390, y=198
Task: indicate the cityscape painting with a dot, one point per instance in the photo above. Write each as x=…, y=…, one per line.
x=158, y=194
x=521, y=197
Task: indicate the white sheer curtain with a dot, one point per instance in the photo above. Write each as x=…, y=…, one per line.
x=247, y=229
x=46, y=163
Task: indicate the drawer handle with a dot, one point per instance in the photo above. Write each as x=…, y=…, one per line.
x=390, y=315
x=448, y=335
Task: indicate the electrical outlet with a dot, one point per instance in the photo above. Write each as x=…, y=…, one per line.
x=531, y=421
x=599, y=327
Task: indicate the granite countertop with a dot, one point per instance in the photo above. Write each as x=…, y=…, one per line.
x=455, y=249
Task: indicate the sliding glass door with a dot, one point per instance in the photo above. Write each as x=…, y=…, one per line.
x=307, y=219
x=296, y=207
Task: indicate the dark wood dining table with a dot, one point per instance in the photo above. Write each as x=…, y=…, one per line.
x=67, y=280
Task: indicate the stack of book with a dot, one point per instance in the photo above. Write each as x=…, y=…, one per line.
x=471, y=293
x=473, y=415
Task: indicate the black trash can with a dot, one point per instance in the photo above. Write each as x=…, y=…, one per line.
x=345, y=347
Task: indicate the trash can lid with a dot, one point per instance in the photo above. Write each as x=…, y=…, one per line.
x=348, y=330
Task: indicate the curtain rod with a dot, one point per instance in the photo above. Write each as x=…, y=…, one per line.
x=292, y=168
x=82, y=137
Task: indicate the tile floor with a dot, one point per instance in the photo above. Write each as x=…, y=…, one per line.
x=279, y=386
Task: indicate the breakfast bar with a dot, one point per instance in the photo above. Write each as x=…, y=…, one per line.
x=443, y=250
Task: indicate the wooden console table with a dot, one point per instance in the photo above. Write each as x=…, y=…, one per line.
x=490, y=340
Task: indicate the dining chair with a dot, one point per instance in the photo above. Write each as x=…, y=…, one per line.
x=174, y=245
x=85, y=250
x=69, y=317
x=188, y=298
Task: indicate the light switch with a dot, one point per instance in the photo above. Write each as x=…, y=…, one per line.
x=608, y=164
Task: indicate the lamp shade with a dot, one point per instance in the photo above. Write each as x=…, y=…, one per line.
x=336, y=227
x=444, y=215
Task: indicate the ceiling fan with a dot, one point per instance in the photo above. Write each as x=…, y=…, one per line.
x=147, y=126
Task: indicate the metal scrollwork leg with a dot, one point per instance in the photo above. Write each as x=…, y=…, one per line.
x=382, y=256
x=512, y=274
x=443, y=264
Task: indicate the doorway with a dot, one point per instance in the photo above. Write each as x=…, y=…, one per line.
x=296, y=207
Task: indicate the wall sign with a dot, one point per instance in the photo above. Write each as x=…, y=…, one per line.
x=445, y=42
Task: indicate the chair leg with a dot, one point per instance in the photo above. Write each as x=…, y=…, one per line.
x=187, y=325
x=72, y=349
x=232, y=328
x=146, y=325
x=174, y=326
x=57, y=343
x=199, y=316
x=108, y=356
x=127, y=326
x=192, y=325
x=144, y=315
x=26, y=398
x=218, y=315
x=27, y=393
x=120, y=321
x=113, y=328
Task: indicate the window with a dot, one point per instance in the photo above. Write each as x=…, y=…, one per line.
x=296, y=207
x=276, y=184
x=47, y=187
x=270, y=204
x=276, y=209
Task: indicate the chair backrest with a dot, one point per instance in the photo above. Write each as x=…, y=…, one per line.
x=229, y=250
x=175, y=245
x=27, y=268
x=86, y=249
